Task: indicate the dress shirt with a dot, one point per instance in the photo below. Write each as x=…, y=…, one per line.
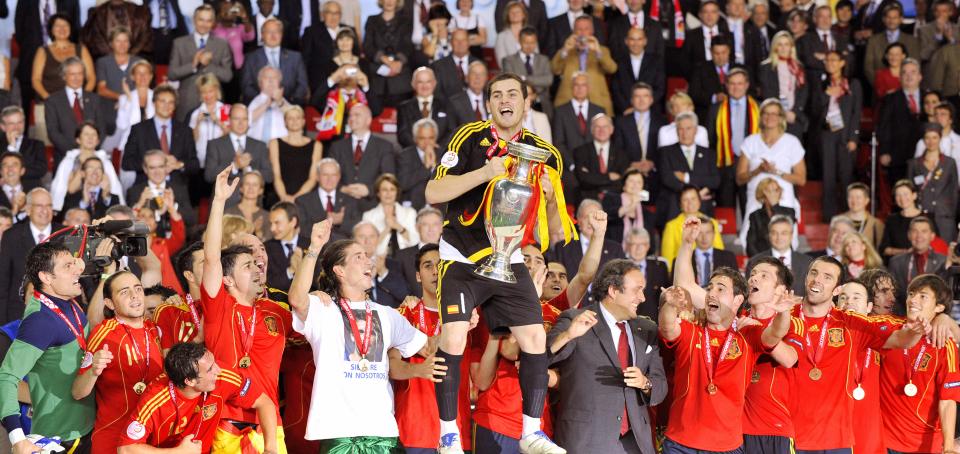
x=10, y=190
x=37, y=231
x=15, y=146
x=635, y=62
x=893, y=36
x=364, y=140
x=580, y=107
x=159, y=123
x=197, y=37
x=273, y=55
x=690, y=153
x=572, y=17
x=477, y=100
x=584, y=243
x=324, y=197
x=737, y=123
x=615, y=332
x=708, y=34
x=260, y=19
x=736, y=29
x=642, y=120
x=157, y=189
x=603, y=152
x=787, y=255
x=701, y=256
x=463, y=63
x=635, y=19
x=83, y=200
x=155, y=15
x=73, y=94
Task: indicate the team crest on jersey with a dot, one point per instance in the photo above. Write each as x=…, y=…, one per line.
x=208, y=411
x=925, y=362
x=485, y=142
x=135, y=430
x=755, y=377
x=835, y=337
x=271, y=323
x=734, y=351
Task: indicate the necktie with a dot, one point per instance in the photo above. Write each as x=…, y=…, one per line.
x=688, y=153
x=288, y=248
x=623, y=353
x=635, y=24
x=477, y=111
x=93, y=199
x=164, y=141
x=267, y=132
x=329, y=203
x=602, y=162
x=77, y=108
x=424, y=14
x=914, y=109
x=825, y=39
x=921, y=263
x=460, y=72
x=425, y=110
x=239, y=146
x=529, y=65
x=203, y=42
x=358, y=153
x=722, y=74
x=11, y=195
x=41, y=237
x=783, y=259
x=705, y=272
x=581, y=122
x=642, y=132
x=164, y=14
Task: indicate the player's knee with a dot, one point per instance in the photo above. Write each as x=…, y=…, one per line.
x=453, y=337
x=532, y=338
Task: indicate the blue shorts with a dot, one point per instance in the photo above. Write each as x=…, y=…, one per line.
x=672, y=447
x=827, y=451
x=487, y=441
x=767, y=444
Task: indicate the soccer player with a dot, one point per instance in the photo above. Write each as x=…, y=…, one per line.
x=180, y=410
x=126, y=357
x=856, y=297
x=713, y=360
x=243, y=329
x=919, y=385
x=183, y=322
x=476, y=155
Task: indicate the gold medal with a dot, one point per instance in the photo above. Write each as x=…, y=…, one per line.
x=859, y=393
x=815, y=374
x=140, y=387
x=364, y=365
x=910, y=389
x=712, y=389
x=245, y=362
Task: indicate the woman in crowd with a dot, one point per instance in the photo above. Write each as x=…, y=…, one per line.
x=468, y=19
x=234, y=26
x=114, y=68
x=858, y=199
x=68, y=178
x=679, y=103
x=936, y=176
x=754, y=235
x=94, y=195
x=508, y=40
x=838, y=103
x=859, y=255
x=628, y=207
x=292, y=158
x=672, y=235
x=134, y=105
x=396, y=223
x=781, y=76
x=931, y=99
x=233, y=228
x=897, y=224
x=436, y=42
x=387, y=44
x=209, y=120
x=350, y=86
x=250, y=206
x=887, y=79
x=949, y=139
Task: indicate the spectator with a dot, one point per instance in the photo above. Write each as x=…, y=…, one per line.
x=267, y=108
x=709, y=79
x=844, y=23
x=389, y=288
x=888, y=77
x=32, y=30
x=859, y=255
x=103, y=22
x=533, y=66
x=164, y=133
x=321, y=44
x=285, y=229
x=636, y=247
x=29, y=232
x=583, y=53
x=66, y=108
x=167, y=233
x=70, y=175
x=6, y=220
x=234, y=27
x=292, y=157
x=14, y=194
x=840, y=226
x=114, y=68
x=293, y=73
x=732, y=118
x=197, y=54
x=949, y=139
x=561, y=26
x=895, y=239
x=535, y=121
x=883, y=288
x=839, y=104
x=470, y=102
x=210, y=120
x=263, y=11
x=797, y=23
x=234, y=229
x=167, y=24
x=755, y=235
x=920, y=260
x=77, y=216
x=467, y=19
x=425, y=104
x=418, y=162
x=645, y=67
x=868, y=20
x=781, y=76
x=250, y=206
x=429, y=226
x=47, y=74
x=395, y=222
x=877, y=44
x=327, y=201
x=436, y=43
x=706, y=258
x=633, y=17
x=814, y=47
x=781, y=235
x=637, y=133
x=697, y=42
x=679, y=103
x=134, y=105
x=673, y=231
x=390, y=51
x=362, y=158
x=536, y=12
x=758, y=32
x=452, y=70
x=737, y=17
x=600, y=165
x=686, y=163
x=858, y=199
x=156, y=182
x=348, y=85
x=570, y=254
x=936, y=175
x=508, y=40
x=571, y=119
x=940, y=32
x=900, y=123
x=13, y=122
x=772, y=153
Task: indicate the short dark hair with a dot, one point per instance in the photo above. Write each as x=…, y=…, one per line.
x=10, y=154
x=721, y=40
x=500, y=78
x=429, y=247
x=53, y=20
x=690, y=187
x=85, y=124
x=842, y=277
x=42, y=258
x=159, y=289
x=948, y=107
x=859, y=280
x=182, y=362
x=922, y=219
x=184, y=262
x=784, y=276
x=6, y=213
x=108, y=284
x=739, y=282
x=641, y=86
x=611, y=275
x=849, y=4
x=229, y=256
x=527, y=30
x=940, y=288
x=164, y=88
x=290, y=208
x=83, y=164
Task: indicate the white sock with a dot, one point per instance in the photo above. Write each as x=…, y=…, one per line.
x=450, y=427
x=530, y=425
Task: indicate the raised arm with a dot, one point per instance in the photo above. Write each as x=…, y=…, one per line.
x=908, y=335
x=484, y=372
x=298, y=296
x=773, y=335
x=591, y=260
x=212, y=270
x=683, y=275
x=83, y=384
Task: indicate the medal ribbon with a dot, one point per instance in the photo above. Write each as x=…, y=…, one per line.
x=916, y=362
x=423, y=323
x=861, y=371
x=815, y=357
x=76, y=315
x=176, y=407
x=248, y=339
x=136, y=349
x=495, y=149
x=362, y=345
x=708, y=351
x=193, y=312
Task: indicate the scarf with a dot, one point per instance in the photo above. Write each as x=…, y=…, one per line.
x=843, y=83
x=678, y=24
x=794, y=66
x=725, y=151
x=338, y=103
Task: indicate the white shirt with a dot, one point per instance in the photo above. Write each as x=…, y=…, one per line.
x=580, y=108
x=42, y=6
x=635, y=18
x=324, y=197
x=345, y=401
x=668, y=136
x=157, y=189
x=611, y=322
x=239, y=142
x=277, y=127
x=197, y=37
x=784, y=154
x=708, y=34
x=10, y=190
x=208, y=129
x=418, y=29
x=736, y=29
x=476, y=100
x=786, y=257
x=635, y=62
x=572, y=17
x=307, y=16
x=362, y=139
x=61, y=178
x=461, y=62
x=36, y=232
x=15, y=146
x=603, y=149
x=73, y=94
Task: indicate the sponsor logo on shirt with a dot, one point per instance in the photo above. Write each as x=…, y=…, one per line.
x=952, y=384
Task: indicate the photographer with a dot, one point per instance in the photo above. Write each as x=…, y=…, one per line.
x=166, y=236
x=158, y=182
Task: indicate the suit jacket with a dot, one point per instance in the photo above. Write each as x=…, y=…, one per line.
x=97, y=211
x=413, y=177
x=658, y=278
x=617, y=31
x=938, y=197
x=628, y=138
x=392, y=289
x=597, y=71
x=904, y=268
x=319, y=47
x=943, y=69
x=704, y=174
x=592, y=393
x=718, y=258
x=294, y=74
x=898, y=129
x=571, y=254
x=704, y=84
x=768, y=86
x=799, y=264
x=850, y=106
x=558, y=30
x=756, y=48
x=62, y=125
x=874, y=21
x=408, y=112
x=811, y=44
x=34, y=159
x=96, y=32
x=540, y=79
x=711, y=125
x=291, y=12
x=313, y=210
x=929, y=44
x=221, y=152
x=567, y=137
x=31, y=33
x=693, y=46
x=448, y=76
x=279, y=261
x=592, y=183
x=14, y=248
x=181, y=69
x=380, y=39
x=143, y=138
x=536, y=17
x=180, y=195
x=877, y=45
x=651, y=72
x=407, y=259
x=378, y=158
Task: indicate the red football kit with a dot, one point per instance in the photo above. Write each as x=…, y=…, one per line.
x=136, y=362
x=867, y=432
x=249, y=338
x=177, y=322
x=165, y=417
x=766, y=410
x=715, y=394
x=298, y=370
x=826, y=363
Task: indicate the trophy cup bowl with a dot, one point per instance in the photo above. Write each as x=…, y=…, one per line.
x=509, y=208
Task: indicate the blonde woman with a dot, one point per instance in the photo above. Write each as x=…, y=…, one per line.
x=679, y=103
x=859, y=255
x=781, y=76
x=233, y=227
x=293, y=156
x=209, y=121
x=769, y=194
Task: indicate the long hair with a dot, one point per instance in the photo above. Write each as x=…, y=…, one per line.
x=334, y=254
x=774, y=58
x=871, y=257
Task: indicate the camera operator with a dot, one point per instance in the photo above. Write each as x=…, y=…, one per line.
x=151, y=192
x=21, y=237
x=165, y=241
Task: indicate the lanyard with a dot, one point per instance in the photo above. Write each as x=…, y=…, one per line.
x=136, y=349
x=708, y=351
x=494, y=149
x=862, y=371
x=193, y=312
x=76, y=315
x=815, y=357
x=916, y=362
x=176, y=407
x=363, y=345
x=248, y=339
x=423, y=322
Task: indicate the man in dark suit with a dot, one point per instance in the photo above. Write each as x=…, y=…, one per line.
x=418, y=162
x=869, y=18
x=710, y=77
x=244, y=153
x=536, y=16
x=198, y=54
x=14, y=140
x=362, y=158
x=636, y=248
x=686, y=163
x=295, y=20
x=166, y=25
x=163, y=133
x=94, y=197
x=571, y=127
x=645, y=66
x=13, y=247
x=671, y=15
x=319, y=43
x=599, y=164
x=389, y=287
x=758, y=33
x=451, y=71
x=738, y=105
x=424, y=104
x=534, y=67
x=781, y=236
x=637, y=132
x=559, y=28
x=64, y=110
x=901, y=124
x=697, y=46
x=157, y=180
x=634, y=18
x=14, y=193
x=289, y=62
x=285, y=227
x=571, y=253
x=30, y=24
x=813, y=46
x=921, y=260
x=429, y=226
x=610, y=361
x=706, y=258
x=328, y=201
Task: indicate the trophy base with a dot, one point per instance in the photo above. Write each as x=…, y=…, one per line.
x=497, y=270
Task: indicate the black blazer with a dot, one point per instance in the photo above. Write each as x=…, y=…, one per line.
x=558, y=30
x=407, y=259
x=617, y=34
x=758, y=236
x=850, y=106
x=755, y=48
x=860, y=20
x=277, y=271
x=291, y=12
x=379, y=38
x=898, y=130
x=566, y=129
x=811, y=43
x=693, y=45
x=704, y=174
x=313, y=210
x=571, y=254
x=628, y=138
x=408, y=112
x=392, y=289
x=448, y=76
x=180, y=195
x=97, y=211
x=768, y=86
x=658, y=278
x=651, y=72
x=414, y=176
x=711, y=125
x=592, y=182
x=378, y=158
x=14, y=247
x=718, y=258
x=143, y=138
x=704, y=83
x=34, y=159
x=31, y=34
x=62, y=125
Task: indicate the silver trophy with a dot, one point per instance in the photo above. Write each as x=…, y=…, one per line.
x=509, y=209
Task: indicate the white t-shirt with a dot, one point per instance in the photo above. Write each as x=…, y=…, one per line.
x=347, y=402
x=784, y=154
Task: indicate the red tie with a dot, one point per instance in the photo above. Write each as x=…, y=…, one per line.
x=77, y=109
x=358, y=153
x=476, y=109
x=623, y=351
x=635, y=24
x=329, y=203
x=921, y=264
x=581, y=122
x=603, y=162
x=722, y=74
x=164, y=141
x=914, y=109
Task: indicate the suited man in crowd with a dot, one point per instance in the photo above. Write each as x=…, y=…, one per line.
x=14, y=139
x=31, y=28
x=706, y=258
x=285, y=228
x=64, y=110
x=878, y=42
x=583, y=52
x=644, y=66
x=571, y=253
x=197, y=54
x=362, y=158
x=737, y=103
x=289, y=62
x=600, y=164
x=813, y=46
x=611, y=365
x=571, y=126
x=22, y=237
x=697, y=46
x=429, y=227
x=14, y=194
x=418, y=162
x=533, y=67
x=636, y=246
x=686, y=163
x=162, y=132
x=166, y=25
x=328, y=201
x=758, y=33
x=389, y=287
x=469, y=104
x=425, y=104
x=920, y=260
x=156, y=180
x=781, y=235
x=560, y=27
x=637, y=132
x=708, y=84
x=940, y=31
x=319, y=44
x=901, y=124
x=451, y=71
x=296, y=19
x=92, y=198
x=634, y=19
x=238, y=150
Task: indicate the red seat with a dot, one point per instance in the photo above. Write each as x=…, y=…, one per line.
x=160, y=74
x=49, y=153
x=14, y=47
x=386, y=122
x=675, y=84
x=727, y=217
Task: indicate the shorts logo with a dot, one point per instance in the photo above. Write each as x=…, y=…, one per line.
x=449, y=159
x=485, y=142
x=271, y=323
x=453, y=309
x=209, y=411
x=135, y=430
x=734, y=351
x=925, y=362
x=755, y=377
x=835, y=337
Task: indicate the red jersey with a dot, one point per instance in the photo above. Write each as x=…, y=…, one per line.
x=766, y=410
x=827, y=421
x=561, y=302
x=693, y=404
x=298, y=370
x=176, y=323
x=867, y=432
x=165, y=417
x=912, y=423
x=136, y=359
x=231, y=335
x=415, y=400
